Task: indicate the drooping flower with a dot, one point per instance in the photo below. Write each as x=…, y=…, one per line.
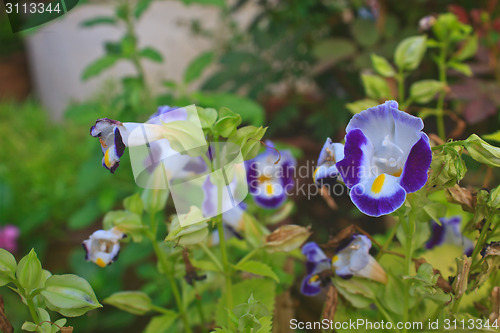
x=353, y=259
x=386, y=156
x=326, y=170
x=316, y=263
x=449, y=233
x=103, y=246
x=269, y=181
x=8, y=237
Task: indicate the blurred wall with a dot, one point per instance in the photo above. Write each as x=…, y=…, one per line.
x=60, y=50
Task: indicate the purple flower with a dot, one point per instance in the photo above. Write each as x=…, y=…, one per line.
x=386, y=156
x=103, y=246
x=8, y=237
x=353, y=259
x=326, y=170
x=268, y=181
x=449, y=233
x=316, y=263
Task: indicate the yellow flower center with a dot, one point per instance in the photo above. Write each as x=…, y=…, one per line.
x=100, y=263
x=378, y=183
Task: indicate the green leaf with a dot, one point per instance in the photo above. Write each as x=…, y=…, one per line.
x=102, y=20
x=61, y=322
x=365, y=32
x=70, y=295
x=493, y=136
x=154, y=200
x=208, y=117
x=134, y=204
x=98, y=66
x=363, y=104
x=258, y=268
x=334, y=49
x=355, y=291
x=248, y=138
x=494, y=199
x=135, y=302
x=425, y=90
x=227, y=122
x=382, y=66
x=409, y=52
x=29, y=326
x=194, y=233
x=128, y=223
x=219, y=3
x=482, y=151
x=161, y=323
x=44, y=316
x=151, y=54
x=376, y=87
x=141, y=7
x=434, y=211
x=8, y=264
x=250, y=111
x=185, y=137
x=468, y=49
x=29, y=272
x=197, y=66
x=460, y=67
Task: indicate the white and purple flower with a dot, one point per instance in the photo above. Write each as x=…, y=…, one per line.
x=386, y=156
x=327, y=171
x=449, y=233
x=103, y=246
x=316, y=263
x=353, y=259
x=270, y=181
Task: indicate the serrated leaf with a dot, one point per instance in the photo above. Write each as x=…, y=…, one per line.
x=258, y=268
x=99, y=65
x=424, y=91
x=409, y=52
x=151, y=54
x=197, y=66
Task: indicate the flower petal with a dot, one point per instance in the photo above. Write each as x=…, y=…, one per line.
x=378, y=196
x=313, y=253
x=355, y=166
x=417, y=165
x=310, y=288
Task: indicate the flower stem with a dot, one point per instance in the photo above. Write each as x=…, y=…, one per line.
x=389, y=240
x=409, y=229
x=169, y=274
x=385, y=313
x=482, y=238
x=31, y=306
x=440, y=103
x=248, y=256
x=212, y=256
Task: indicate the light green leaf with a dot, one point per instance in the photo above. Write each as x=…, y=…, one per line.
x=248, y=138
x=161, y=323
x=185, y=137
x=356, y=292
x=134, y=204
x=468, y=49
x=126, y=222
x=482, y=151
x=61, y=322
x=425, y=90
x=494, y=199
x=460, y=67
x=8, y=264
x=376, y=87
x=101, y=20
x=258, y=268
x=195, y=231
x=197, y=66
x=29, y=272
x=493, y=136
x=382, y=66
x=219, y=3
x=70, y=295
x=154, y=200
x=135, y=302
x=363, y=104
x=334, y=49
x=227, y=122
x=409, y=52
x=99, y=65
x=29, y=326
x=44, y=316
x=151, y=54
x=208, y=116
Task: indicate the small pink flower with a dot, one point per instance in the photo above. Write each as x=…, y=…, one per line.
x=8, y=237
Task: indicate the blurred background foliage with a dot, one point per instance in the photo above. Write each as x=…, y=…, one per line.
x=294, y=68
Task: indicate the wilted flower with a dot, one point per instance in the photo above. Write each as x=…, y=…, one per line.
x=8, y=237
x=491, y=249
x=354, y=259
x=386, y=156
x=286, y=238
x=316, y=263
x=449, y=233
x=328, y=157
x=269, y=180
x=103, y=246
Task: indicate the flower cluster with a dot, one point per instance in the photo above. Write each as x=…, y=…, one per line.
x=386, y=155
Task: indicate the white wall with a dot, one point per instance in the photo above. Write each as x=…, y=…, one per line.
x=60, y=50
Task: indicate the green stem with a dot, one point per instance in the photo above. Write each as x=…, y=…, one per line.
x=389, y=240
x=31, y=306
x=248, y=256
x=212, y=256
x=482, y=238
x=169, y=274
x=385, y=313
x=401, y=89
x=409, y=232
x=440, y=103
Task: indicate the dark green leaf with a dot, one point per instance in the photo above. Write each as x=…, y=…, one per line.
x=197, y=66
x=99, y=21
x=151, y=54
